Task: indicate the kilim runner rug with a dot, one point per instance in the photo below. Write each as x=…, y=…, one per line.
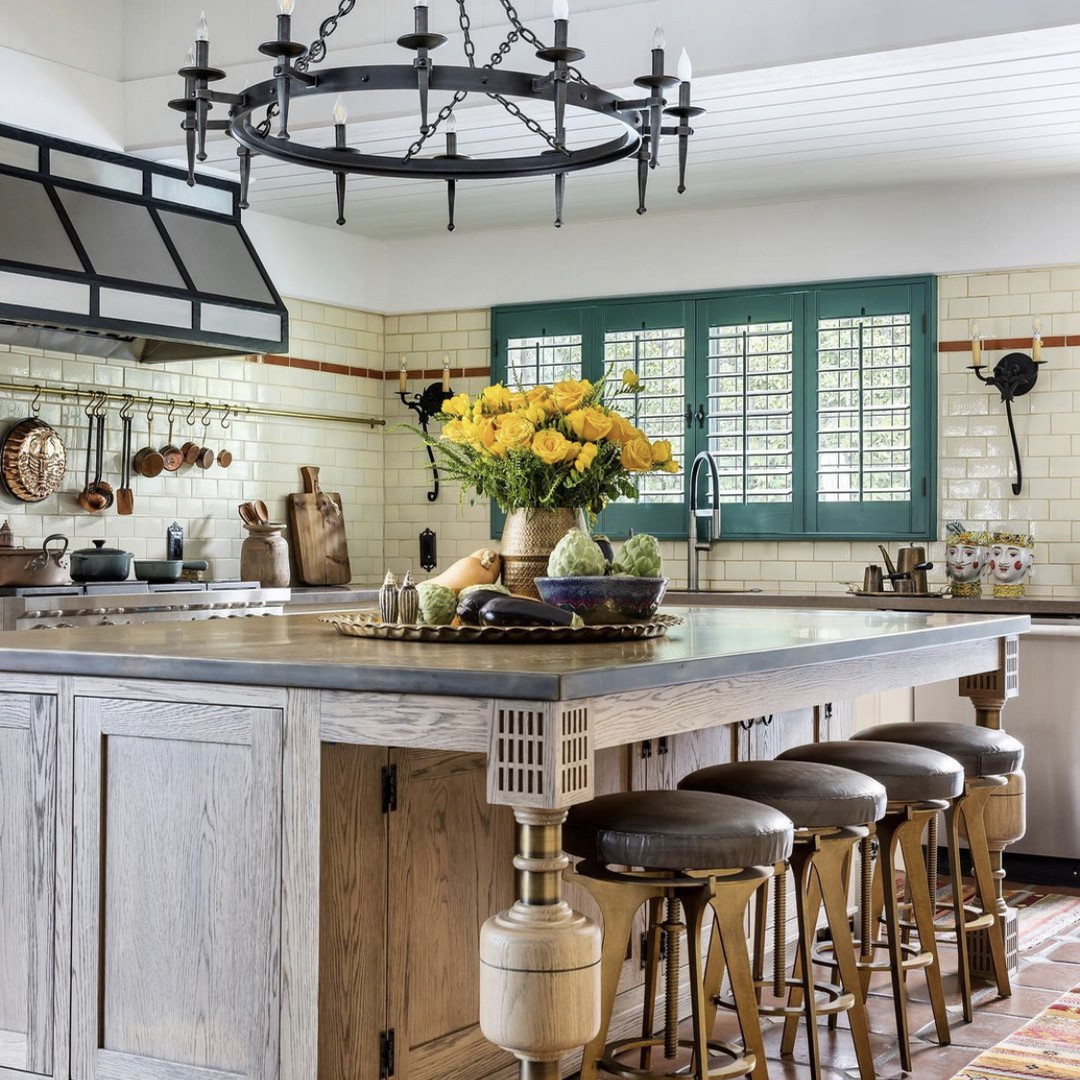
x=1046, y=1048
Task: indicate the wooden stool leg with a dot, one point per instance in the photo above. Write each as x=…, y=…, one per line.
x=714, y=973
x=652, y=977
x=729, y=908
x=830, y=872
x=885, y=878
x=952, y=834
x=975, y=827
x=807, y=906
x=910, y=834
x=761, y=912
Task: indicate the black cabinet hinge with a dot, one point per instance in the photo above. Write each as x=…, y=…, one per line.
x=386, y=1054
x=389, y=788
x=662, y=745
x=828, y=710
x=646, y=748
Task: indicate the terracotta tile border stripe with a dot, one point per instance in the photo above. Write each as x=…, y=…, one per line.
x=414, y=374
x=1021, y=343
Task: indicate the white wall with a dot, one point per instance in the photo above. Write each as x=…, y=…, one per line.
x=921, y=230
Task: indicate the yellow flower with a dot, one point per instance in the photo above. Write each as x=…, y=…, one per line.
x=550, y=446
x=456, y=431
x=585, y=458
x=458, y=405
x=622, y=431
x=670, y=466
x=535, y=414
x=661, y=452
x=518, y=400
x=485, y=435
x=541, y=397
x=572, y=451
x=567, y=395
x=590, y=424
x=495, y=399
x=631, y=384
x=637, y=455
x=513, y=430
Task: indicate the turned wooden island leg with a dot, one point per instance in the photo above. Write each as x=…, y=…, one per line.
x=1006, y=812
x=540, y=959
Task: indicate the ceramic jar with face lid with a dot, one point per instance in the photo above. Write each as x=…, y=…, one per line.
x=1012, y=562
x=966, y=560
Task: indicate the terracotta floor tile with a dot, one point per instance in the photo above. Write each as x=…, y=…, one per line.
x=1064, y=953
x=1050, y=976
x=930, y=1062
x=1025, y=1002
x=985, y=1030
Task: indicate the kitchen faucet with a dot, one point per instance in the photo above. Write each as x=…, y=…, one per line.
x=695, y=545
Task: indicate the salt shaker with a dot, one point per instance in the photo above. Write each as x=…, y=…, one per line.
x=408, y=601
x=388, y=599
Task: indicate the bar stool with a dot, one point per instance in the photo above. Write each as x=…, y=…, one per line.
x=986, y=755
x=919, y=783
x=831, y=808
x=692, y=851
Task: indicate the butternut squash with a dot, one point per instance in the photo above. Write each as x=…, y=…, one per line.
x=482, y=567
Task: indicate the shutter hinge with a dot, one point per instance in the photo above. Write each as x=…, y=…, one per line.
x=386, y=1054
x=662, y=745
x=646, y=748
x=389, y=789
x=924, y=322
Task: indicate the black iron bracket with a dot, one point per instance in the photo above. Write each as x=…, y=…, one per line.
x=1015, y=375
x=426, y=404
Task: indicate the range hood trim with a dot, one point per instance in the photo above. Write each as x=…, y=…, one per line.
x=148, y=342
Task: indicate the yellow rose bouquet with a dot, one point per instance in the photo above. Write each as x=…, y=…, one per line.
x=554, y=446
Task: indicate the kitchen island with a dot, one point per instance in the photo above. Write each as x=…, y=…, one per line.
x=205, y=827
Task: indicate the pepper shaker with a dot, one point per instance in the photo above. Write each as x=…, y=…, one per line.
x=408, y=601
x=388, y=599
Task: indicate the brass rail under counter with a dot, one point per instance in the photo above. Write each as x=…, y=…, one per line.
x=237, y=410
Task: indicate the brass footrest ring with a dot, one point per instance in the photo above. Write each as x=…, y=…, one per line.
x=831, y=999
x=742, y=1062
x=914, y=958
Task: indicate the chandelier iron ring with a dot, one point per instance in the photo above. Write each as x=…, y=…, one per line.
x=443, y=78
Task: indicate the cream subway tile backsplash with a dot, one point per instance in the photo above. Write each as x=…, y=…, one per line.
x=268, y=451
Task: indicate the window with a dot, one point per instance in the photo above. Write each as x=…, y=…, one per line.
x=816, y=403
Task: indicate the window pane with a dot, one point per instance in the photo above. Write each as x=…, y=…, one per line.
x=864, y=409
x=750, y=411
x=658, y=358
x=538, y=361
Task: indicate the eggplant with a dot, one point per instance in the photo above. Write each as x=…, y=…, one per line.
x=604, y=544
x=468, y=610
x=514, y=611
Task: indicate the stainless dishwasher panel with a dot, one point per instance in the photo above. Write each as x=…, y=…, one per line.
x=1046, y=719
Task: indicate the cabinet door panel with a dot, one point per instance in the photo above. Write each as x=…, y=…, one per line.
x=177, y=889
x=451, y=866
x=27, y=880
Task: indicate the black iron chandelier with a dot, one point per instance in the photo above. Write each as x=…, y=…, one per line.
x=644, y=120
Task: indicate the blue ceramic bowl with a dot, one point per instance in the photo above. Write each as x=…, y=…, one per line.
x=604, y=600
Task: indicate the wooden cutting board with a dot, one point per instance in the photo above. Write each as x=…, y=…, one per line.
x=317, y=531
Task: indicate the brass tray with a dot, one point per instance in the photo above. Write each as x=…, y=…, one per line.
x=366, y=624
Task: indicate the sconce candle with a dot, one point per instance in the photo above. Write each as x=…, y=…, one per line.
x=446, y=373
x=976, y=346
x=403, y=375
x=1036, y=341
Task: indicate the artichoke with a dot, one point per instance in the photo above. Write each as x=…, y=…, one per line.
x=576, y=555
x=438, y=604
x=640, y=557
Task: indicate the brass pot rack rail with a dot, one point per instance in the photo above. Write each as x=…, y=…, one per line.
x=236, y=410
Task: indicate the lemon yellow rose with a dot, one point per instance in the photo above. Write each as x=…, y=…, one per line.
x=495, y=399
x=485, y=435
x=540, y=396
x=456, y=431
x=670, y=467
x=630, y=382
x=535, y=414
x=661, y=451
x=458, y=405
x=550, y=446
x=622, y=431
x=590, y=424
x=513, y=430
x=568, y=395
x=637, y=455
x=586, y=457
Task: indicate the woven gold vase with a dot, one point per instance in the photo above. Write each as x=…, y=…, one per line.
x=528, y=538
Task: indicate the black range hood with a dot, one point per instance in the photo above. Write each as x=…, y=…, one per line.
x=106, y=254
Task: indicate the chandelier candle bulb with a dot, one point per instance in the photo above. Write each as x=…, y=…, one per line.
x=658, y=41
x=685, y=70
x=202, y=28
x=560, y=10
x=286, y=7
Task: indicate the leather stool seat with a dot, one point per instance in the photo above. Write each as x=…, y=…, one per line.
x=677, y=830
x=910, y=774
x=813, y=795
x=982, y=751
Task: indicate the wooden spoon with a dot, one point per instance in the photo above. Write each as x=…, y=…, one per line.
x=247, y=514
x=262, y=513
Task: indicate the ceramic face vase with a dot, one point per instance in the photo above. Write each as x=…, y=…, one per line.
x=1012, y=560
x=966, y=564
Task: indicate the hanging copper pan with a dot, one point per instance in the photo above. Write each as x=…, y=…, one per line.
x=33, y=460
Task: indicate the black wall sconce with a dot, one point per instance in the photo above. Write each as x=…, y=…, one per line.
x=426, y=404
x=1015, y=375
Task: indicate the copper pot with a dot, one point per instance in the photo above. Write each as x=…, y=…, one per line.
x=34, y=567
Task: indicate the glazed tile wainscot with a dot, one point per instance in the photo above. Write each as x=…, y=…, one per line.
x=284, y=868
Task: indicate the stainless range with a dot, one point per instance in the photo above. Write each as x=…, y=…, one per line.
x=127, y=602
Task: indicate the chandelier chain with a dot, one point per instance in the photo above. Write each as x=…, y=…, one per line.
x=512, y=108
x=315, y=54
x=443, y=113
x=527, y=35
x=466, y=26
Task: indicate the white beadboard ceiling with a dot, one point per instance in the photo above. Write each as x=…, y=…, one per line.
x=1000, y=107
